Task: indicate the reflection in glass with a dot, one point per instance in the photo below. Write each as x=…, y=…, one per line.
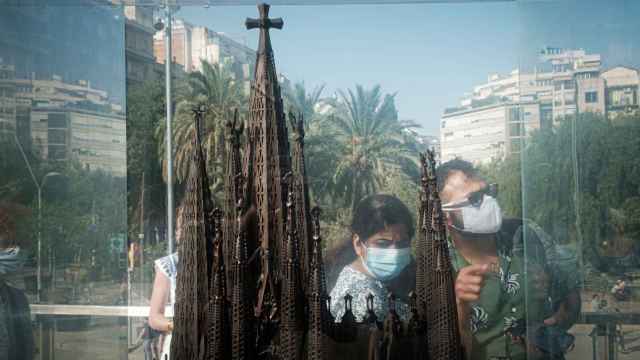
x=62, y=133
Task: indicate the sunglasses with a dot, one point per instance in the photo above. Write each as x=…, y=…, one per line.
x=474, y=198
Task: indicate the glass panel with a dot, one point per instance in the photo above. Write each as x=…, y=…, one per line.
x=578, y=185
x=62, y=180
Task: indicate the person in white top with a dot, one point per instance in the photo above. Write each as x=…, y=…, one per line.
x=164, y=291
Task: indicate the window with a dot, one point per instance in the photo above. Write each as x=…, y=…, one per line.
x=515, y=145
x=57, y=121
x=591, y=97
x=57, y=136
x=516, y=129
x=514, y=114
x=622, y=97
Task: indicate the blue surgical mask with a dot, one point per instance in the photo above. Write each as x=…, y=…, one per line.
x=11, y=260
x=386, y=264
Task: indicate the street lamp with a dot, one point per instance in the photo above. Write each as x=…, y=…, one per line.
x=39, y=185
x=169, y=146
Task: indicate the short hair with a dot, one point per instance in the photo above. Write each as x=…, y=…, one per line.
x=444, y=171
x=375, y=212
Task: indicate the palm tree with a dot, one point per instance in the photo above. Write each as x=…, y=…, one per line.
x=319, y=151
x=372, y=141
x=215, y=88
x=302, y=102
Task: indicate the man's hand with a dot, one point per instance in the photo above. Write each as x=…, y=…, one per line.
x=469, y=282
x=468, y=287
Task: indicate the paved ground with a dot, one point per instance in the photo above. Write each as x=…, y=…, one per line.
x=584, y=344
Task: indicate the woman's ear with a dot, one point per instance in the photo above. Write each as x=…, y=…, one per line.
x=357, y=246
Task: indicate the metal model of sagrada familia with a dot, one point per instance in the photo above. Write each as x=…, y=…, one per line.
x=251, y=281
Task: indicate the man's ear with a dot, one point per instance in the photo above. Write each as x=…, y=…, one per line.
x=357, y=245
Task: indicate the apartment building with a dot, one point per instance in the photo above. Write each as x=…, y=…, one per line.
x=494, y=119
x=7, y=99
x=193, y=44
x=621, y=90
x=96, y=140
x=139, y=54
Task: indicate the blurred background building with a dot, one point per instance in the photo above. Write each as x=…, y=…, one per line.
x=492, y=121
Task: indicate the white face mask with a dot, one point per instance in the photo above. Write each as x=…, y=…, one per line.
x=485, y=218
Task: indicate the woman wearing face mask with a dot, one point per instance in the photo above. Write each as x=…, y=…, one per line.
x=377, y=259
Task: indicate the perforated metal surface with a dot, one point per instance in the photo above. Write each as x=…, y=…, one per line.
x=435, y=286
x=192, y=283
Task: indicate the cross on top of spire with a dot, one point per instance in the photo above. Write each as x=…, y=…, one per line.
x=264, y=22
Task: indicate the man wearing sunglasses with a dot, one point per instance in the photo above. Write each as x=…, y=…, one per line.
x=509, y=284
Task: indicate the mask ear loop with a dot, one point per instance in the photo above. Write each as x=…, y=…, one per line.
x=358, y=240
x=362, y=260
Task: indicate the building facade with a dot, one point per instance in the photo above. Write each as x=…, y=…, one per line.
x=494, y=120
x=181, y=44
x=7, y=99
x=62, y=121
x=139, y=52
x=191, y=45
x=621, y=90
x=95, y=140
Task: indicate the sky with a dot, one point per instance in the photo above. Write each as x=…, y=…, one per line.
x=430, y=55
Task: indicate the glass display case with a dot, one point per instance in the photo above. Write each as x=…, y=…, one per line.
x=537, y=98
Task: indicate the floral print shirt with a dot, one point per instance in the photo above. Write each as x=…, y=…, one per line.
x=522, y=289
x=359, y=286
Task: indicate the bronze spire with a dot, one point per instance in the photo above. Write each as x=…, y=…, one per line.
x=267, y=159
x=440, y=308
x=291, y=296
x=232, y=178
x=241, y=314
x=192, y=285
x=218, y=341
x=319, y=317
x=301, y=195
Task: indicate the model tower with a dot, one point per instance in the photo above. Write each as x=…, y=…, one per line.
x=434, y=278
x=192, y=284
